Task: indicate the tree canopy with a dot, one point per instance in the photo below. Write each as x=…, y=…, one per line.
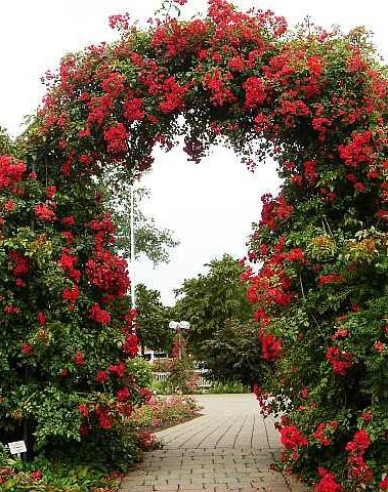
x=210, y=300
x=153, y=318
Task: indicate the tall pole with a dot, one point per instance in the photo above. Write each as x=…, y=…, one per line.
x=132, y=255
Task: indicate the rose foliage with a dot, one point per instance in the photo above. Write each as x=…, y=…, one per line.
x=316, y=102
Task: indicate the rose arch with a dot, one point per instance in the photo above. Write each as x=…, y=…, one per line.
x=313, y=100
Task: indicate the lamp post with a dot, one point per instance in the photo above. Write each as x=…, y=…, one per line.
x=132, y=251
x=178, y=327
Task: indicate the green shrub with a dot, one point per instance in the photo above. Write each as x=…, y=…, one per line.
x=219, y=387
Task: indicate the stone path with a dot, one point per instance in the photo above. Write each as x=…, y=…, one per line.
x=229, y=448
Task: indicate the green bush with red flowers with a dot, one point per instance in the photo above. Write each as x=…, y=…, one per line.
x=316, y=101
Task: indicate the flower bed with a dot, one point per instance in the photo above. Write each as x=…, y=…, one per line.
x=44, y=475
x=163, y=412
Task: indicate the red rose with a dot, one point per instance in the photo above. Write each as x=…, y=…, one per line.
x=26, y=349
x=102, y=377
x=122, y=394
x=79, y=358
x=36, y=475
x=84, y=410
x=41, y=318
x=366, y=416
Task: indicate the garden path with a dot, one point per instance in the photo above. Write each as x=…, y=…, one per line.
x=229, y=448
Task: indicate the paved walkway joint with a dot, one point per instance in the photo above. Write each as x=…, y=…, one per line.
x=229, y=448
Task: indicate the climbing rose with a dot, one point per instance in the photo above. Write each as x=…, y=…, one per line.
x=341, y=361
x=133, y=109
x=366, y=416
x=122, y=394
x=50, y=191
x=36, y=475
x=102, y=377
x=330, y=279
x=322, y=430
x=116, y=138
x=11, y=172
x=104, y=419
x=131, y=345
x=79, y=358
x=84, y=410
x=146, y=395
x=120, y=21
x=255, y=93
x=26, y=349
x=272, y=347
x=43, y=213
x=118, y=369
x=291, y=437
x=361, y=442
x=328, y=482
x=99, y=315
x=71, y=295
x=384, y=484
x=41, y=318
x=68, y=221
x=379, y=346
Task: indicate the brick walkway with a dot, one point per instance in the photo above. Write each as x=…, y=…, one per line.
x=229, y=448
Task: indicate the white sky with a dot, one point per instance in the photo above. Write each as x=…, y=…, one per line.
x=209, y=206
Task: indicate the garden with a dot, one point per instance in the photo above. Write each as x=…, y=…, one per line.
x=315, y=275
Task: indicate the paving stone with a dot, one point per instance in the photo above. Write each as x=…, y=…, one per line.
x=228, y=449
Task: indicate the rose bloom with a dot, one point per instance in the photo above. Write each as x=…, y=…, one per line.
x=379, y=346
x=366, y=416
x=26, y=349
x=36, y=475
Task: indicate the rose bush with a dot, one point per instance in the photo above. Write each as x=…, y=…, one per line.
x=66, y=318
x=316, y=102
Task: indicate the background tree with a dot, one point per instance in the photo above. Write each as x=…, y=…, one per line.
x=153, y=319
x=6, y=146
x=150, y=240
x=216, y=307
x=233, y=353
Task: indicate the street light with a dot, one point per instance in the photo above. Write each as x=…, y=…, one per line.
x=132, y=249
x=178, y=327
